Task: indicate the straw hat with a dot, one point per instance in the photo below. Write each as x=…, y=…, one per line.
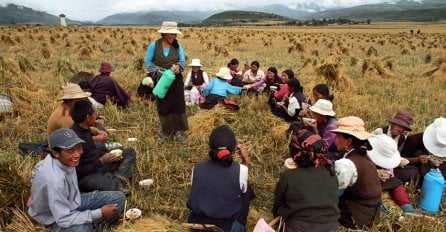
x=323, y=107
x=353, y=126
x=402, y=118
x=384, y=151
x=169, y=28
x=105, y=68
x=195, y=63
x=224, y=73
x=73, y=91
x=434, y=137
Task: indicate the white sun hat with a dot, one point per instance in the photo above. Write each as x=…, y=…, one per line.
x=384, y=151
x=195, y=63
x=169, y=28
x=434, y=137
x=323, y=107
x=224, y=73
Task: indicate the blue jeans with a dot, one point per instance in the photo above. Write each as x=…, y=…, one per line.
x=111, y=176
x=95, y=200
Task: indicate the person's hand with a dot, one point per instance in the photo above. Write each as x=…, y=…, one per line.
x=404, y=162
x=384, y=175
x=285, y=98
x=108, y=210
x=312, y=125
x=99, y=121
x=109, y=158
x=176, y=68
x=243, y=152
x=423, y=159
x=102, y=136
x=28, y=202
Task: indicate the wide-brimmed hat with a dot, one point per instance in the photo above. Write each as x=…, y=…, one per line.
x=64, y=138
x=169, y=28
x=352, y=125
x=434, y=137
x=73, y=91
x=224, y=73
x=105, y=68
x=402, y=118
x=384, y=151
x=195, y=63
x=323, y=107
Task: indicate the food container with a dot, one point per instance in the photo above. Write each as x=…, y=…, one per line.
x=133, y=213
x=308, y=120
x=116, y=152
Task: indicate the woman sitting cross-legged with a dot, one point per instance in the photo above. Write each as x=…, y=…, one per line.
x=218, y=89
x=307, y=196
x=220, y=194
x=291, y=105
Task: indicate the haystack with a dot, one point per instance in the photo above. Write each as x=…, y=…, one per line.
x=205, y=120
x=438, y=68
x=373, y=67
x=331, y=69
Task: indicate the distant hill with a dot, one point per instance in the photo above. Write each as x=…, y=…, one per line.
x=279, y=9
x=431, y=10
x=155, y=17
x=228, y=18
x=11, y=14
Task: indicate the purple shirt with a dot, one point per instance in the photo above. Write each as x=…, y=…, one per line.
x=104, y=86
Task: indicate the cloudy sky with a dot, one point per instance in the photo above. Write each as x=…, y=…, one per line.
x=97, y=9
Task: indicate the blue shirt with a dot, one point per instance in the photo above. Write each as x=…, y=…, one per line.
x=151, y=68
x=56, y=197
x=220, y=87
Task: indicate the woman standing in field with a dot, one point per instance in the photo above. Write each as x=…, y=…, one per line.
x=167, y=53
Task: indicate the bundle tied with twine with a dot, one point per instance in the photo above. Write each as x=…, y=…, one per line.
x=332, y=70
x=374, y=67
x=437, y=69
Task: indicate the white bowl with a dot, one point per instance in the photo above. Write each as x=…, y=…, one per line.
x=146, y=183
x=308, y=120
x=273, y=88
x=133, y=213
x=132, y=139
x=116, y=152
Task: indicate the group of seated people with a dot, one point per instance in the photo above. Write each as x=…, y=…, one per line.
x=82, y=184
x=335, y=172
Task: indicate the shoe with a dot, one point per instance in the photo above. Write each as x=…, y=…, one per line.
x=163, y=138
x=407, y=208
x=180, y=137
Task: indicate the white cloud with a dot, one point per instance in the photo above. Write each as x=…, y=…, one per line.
x=98, y=9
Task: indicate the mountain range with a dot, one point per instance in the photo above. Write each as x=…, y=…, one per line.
x=396, y=10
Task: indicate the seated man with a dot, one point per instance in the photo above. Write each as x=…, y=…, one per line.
x=398, y=124
x=104, y=86
x=98, y=170
x=420, y=148
x=55, y=198
x=61, y=118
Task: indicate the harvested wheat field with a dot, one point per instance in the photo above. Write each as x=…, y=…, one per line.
x=373, y=71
